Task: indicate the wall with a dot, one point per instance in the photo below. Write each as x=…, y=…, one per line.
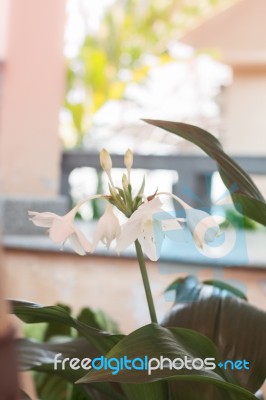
x=31, y=96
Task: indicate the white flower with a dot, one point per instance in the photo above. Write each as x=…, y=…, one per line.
x=108, y=228
x=62, y=228
x=143, y=226
x=202, y=225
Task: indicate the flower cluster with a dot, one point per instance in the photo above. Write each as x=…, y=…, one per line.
x=141, y=224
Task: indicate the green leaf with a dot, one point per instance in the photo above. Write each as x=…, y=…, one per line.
x=98, y=319
x=55, y=328
x=187, y=289
x=51, y=387
x=228, y=288
x=40, y=357
x=35, y=313
x=77, y=395
x=151, y=391
x=247, y=198
x=252, y=208
x=236, y=327
x=156, y=341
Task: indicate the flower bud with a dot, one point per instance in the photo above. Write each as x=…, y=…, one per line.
x=105, y=160
x=128, y=159
x=124, y=181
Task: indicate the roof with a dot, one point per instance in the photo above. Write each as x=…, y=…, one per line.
x=238, y=33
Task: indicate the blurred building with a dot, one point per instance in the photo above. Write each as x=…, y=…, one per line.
x=238, y=37
x=31, y=94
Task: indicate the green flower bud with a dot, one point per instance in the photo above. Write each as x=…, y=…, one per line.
x=105, y=160
x=128, y=159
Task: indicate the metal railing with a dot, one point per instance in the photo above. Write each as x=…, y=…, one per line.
x=194, y=171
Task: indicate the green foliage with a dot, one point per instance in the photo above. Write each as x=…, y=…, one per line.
x=215, y=309
x=221, y=314
x=54, y=337
x=99, y=320
x=246, y=196
x=238, y=220
x=187, y=289
x=36, y=313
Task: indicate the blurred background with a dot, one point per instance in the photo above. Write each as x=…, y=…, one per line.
x=76, y=76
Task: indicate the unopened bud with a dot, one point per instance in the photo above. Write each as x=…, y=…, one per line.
x=124, y=181
x=105, y=160
x=128, y=159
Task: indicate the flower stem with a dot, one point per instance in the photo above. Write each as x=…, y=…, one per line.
x=146, y=282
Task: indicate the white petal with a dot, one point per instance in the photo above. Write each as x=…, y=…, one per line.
x=44, y=219
x=112, y=228
x=202, y=225
x=129, y=233
x=171, y=224
x=98, y=234
x=87, y=246
x=75, y=244
x=168, y=224
x=151, y=239
x=107, y=229
x=198, y=239
x=149, y=207
x=60, y=230
x=132, y=229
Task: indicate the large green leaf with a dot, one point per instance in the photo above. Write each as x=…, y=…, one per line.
x=56, y=328
x=237, y=328
x=156, y=341
x=53, y=387
x=35, y=313
x=247, y=197
x=102, y=341
x=40, y=357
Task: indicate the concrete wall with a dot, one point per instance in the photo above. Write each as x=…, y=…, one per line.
x=245, y=113
x=111, y=284
x=4, y=21
x=31, y=96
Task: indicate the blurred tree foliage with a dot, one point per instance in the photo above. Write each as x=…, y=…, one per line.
x=114, y=56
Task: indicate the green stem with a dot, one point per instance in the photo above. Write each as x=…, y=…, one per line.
x=146, y=282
